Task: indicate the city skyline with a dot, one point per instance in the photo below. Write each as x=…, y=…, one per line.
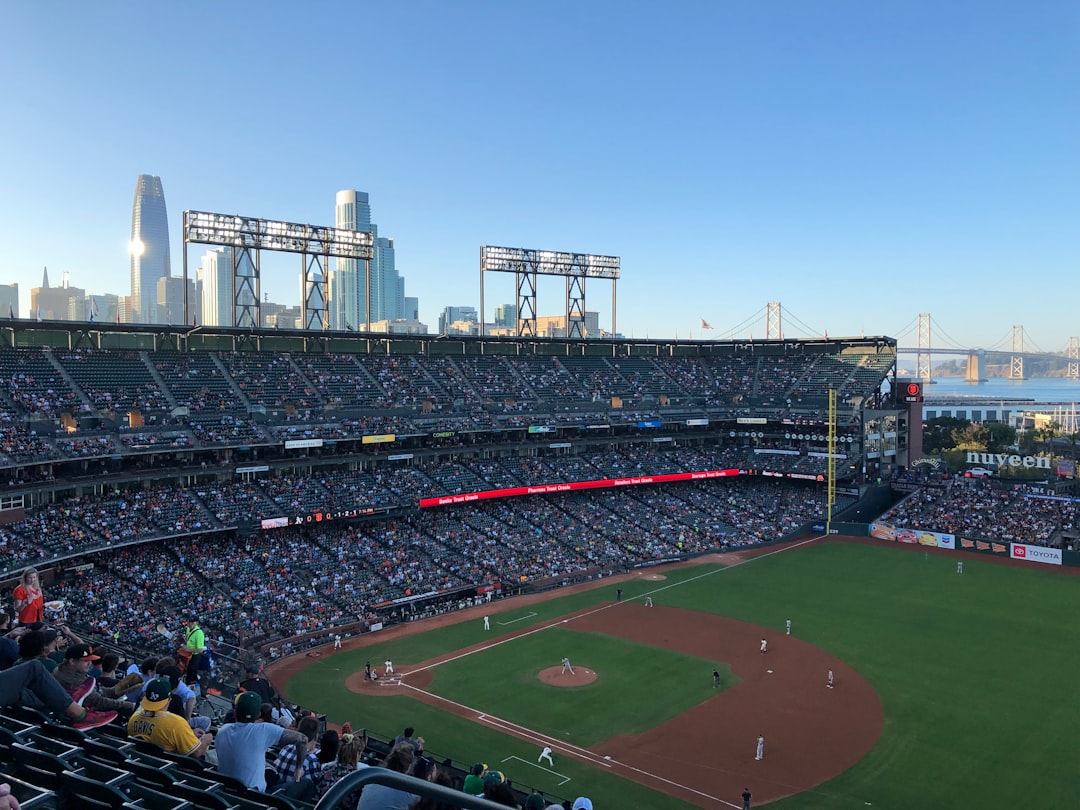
x=858, y=163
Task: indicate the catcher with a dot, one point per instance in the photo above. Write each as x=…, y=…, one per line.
x=73, y=675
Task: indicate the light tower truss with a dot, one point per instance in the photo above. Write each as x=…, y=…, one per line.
x=923, y=368
x=249, y=236
x=527, y=265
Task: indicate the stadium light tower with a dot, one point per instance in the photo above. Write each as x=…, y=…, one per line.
x=251, y=235
x=527, y=264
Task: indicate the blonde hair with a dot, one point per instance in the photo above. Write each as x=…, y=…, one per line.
x=352, y=746
x=26, y=575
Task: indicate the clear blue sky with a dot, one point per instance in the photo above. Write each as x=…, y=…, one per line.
x=860, y=162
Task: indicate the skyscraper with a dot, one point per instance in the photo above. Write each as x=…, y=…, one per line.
x=349, y=279
x=215, y=278
x=149, y=248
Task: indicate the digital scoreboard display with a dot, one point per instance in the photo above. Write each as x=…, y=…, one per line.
x=913, y=392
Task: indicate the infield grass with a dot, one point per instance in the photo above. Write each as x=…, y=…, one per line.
x=977, y=674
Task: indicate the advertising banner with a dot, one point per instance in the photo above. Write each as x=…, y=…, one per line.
x=548, y=489
x=378, y=438
x=883, y=531
x=1040, y=554
x=291, y=444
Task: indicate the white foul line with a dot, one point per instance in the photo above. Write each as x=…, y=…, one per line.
x=560, y=745
x=536, y=765
x=519, y=618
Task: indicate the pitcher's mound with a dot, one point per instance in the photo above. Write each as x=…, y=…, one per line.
x=556, y=677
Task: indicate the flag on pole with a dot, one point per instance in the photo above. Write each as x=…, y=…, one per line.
x=826, y=334
x=11, y=312
x=705, y=324
x=93, y=310
x=39, y=314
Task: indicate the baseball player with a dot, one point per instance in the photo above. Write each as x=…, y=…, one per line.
x=787, y=626
x=487, y=623
x=337, y=641
x=566, y=666
x=760, y=748
x=716, y=679
x=389, y=667
x=546, y=754
x=648, y=601
x=746, y=799
x=959, y=566
x=764, y=646
x=829, y=680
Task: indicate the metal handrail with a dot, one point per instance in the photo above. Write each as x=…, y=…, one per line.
x=401, y=781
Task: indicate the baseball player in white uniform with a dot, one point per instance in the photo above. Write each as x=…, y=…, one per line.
x=760, y=754
x=566, y=666
x=546, y=754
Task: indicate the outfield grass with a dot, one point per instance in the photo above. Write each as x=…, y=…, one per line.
x=976, y=672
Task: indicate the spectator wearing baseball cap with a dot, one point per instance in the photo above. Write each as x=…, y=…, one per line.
x=582, y=803
x=154, y=722
x=73, y=675
x=242, y=745
x=496, y=790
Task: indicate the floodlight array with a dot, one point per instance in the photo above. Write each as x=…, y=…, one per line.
x=266, y=234
x=547, y=262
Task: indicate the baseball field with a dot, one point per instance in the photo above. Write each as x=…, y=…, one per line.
x=951, y=690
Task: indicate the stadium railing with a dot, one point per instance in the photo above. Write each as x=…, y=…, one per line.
x=382, y=776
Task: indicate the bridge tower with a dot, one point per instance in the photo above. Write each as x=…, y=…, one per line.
x=774, y=324
x=1016, y=362
x=1072, y=371
x=922, y=359
x=975, y=362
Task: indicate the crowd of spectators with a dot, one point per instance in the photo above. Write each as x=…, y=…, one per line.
x=40, y=381
x=984, y=509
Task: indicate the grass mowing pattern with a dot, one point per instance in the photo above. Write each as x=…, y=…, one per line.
x=976, y=672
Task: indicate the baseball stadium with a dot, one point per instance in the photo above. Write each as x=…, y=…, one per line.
x=580, y=572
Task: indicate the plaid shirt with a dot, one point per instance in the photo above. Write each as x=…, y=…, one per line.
x=285, y=766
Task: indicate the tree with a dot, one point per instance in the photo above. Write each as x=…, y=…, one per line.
x=938, y=434
x=1001, y=436
x=1047, y=434
x=975, y=436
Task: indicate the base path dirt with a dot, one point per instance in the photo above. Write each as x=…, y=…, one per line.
x=704, y=756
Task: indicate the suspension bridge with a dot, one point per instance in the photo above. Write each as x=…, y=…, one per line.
x=1014, y=349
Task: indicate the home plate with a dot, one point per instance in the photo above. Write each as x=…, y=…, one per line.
x=769, y=671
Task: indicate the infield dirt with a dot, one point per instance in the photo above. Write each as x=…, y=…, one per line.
x=704, y=756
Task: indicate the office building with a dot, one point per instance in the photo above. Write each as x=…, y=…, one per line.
x=215, y=281
x=9, y=300
x=353, y=283
x=505, y=316
x=454, y=315
x=63, y=303
x=149, y=248
x=170, y=300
